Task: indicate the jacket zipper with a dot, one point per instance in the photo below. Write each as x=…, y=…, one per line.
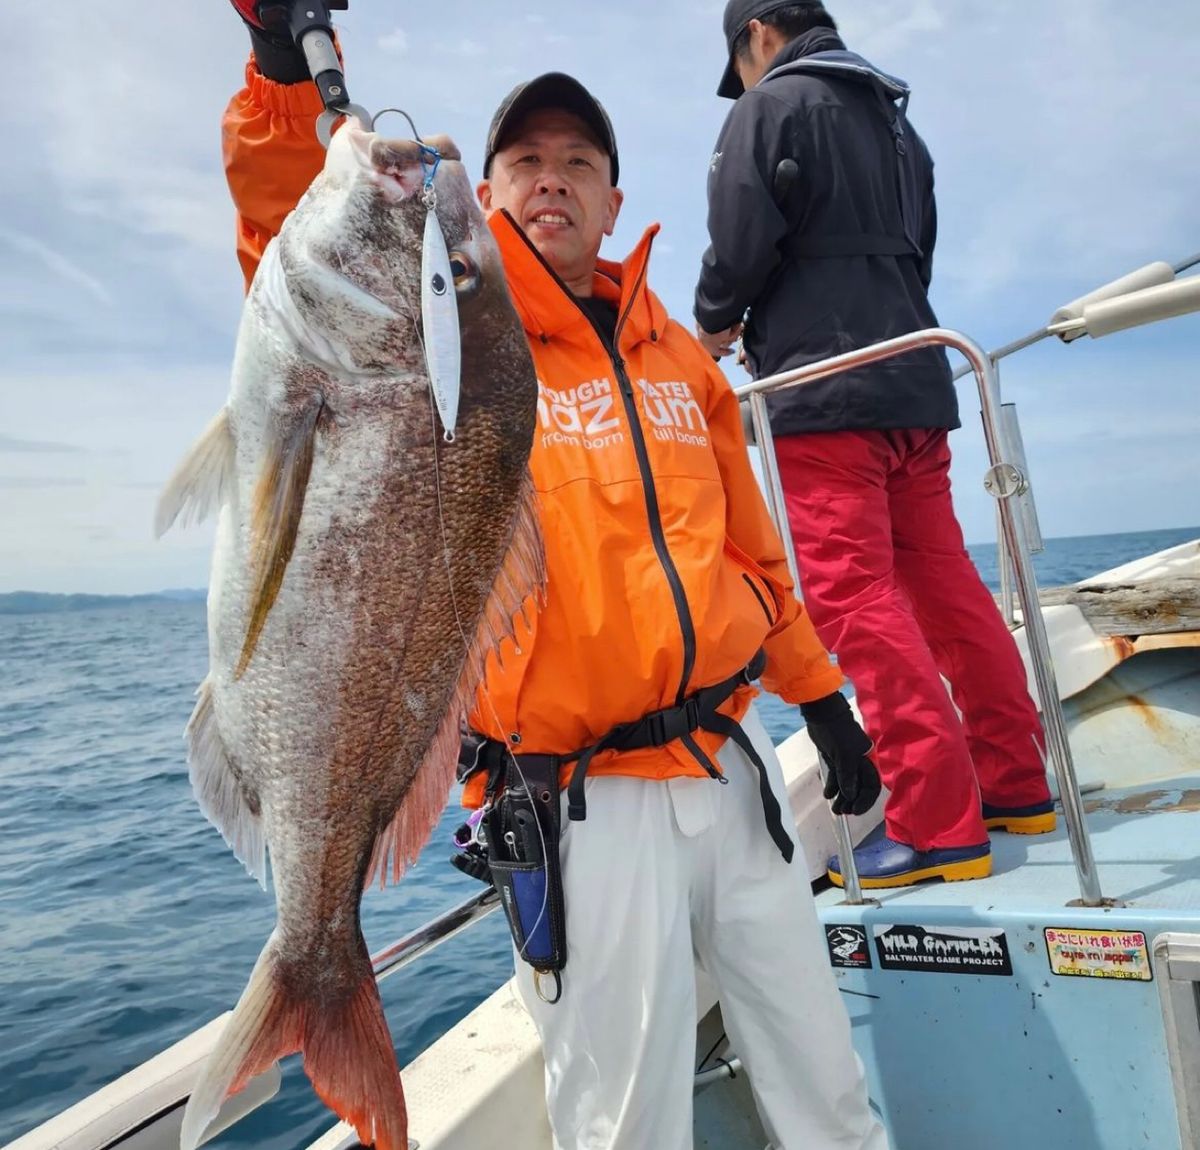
x=687, y=626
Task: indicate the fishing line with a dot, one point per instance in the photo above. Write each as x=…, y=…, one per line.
x=544, y=908
x=468, y=646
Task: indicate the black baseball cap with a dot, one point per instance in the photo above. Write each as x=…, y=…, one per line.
x=739, y=13
x=553, y=90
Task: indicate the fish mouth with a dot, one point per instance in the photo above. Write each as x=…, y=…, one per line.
x=398, y=166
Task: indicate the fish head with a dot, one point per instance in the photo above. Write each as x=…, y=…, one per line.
x=351, y=251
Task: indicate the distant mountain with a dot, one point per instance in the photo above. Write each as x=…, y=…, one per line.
x=42, y=603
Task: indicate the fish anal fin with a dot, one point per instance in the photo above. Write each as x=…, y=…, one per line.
x=398, y=845
x=347, y=1050
x=221, y=794
x=203, y=481
x=275, y=521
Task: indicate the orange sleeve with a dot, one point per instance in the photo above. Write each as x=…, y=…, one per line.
x=798, y=666
x=272, y=154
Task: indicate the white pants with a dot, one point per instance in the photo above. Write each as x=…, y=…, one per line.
x=660, y=876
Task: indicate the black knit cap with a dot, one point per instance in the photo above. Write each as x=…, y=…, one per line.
x=561, y=92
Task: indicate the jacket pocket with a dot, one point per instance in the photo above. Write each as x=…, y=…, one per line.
x=768, y=593
x=759, y=596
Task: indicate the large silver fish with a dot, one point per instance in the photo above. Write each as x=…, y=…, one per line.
x=364, y=570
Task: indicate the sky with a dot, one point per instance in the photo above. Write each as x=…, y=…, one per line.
x=1064, y=133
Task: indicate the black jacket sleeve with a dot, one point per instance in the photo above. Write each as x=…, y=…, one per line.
x=928, y=239
x=745, y=225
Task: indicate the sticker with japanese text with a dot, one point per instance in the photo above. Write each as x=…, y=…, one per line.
x=1118, y=954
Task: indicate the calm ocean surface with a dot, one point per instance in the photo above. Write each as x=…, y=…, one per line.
x=125, y=922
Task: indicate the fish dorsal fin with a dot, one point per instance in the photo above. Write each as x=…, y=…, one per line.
x=223, y=796
x=521, y=577
x=203, y=481
x=275, y=520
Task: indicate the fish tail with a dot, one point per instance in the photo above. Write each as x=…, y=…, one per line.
x=347, y=1050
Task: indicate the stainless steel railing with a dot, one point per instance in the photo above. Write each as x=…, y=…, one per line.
x=432, y=934
x=1006, y=481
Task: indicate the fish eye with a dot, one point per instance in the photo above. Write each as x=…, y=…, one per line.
x=465, y=273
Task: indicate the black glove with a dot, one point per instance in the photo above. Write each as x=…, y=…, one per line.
x=853, y=781
x=276, y=53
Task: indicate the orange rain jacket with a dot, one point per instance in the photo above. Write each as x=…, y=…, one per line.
x=665, y=572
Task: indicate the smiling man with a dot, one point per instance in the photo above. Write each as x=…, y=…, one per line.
x=667, y=593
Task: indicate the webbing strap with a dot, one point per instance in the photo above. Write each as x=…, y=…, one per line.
x=699, y=712
x=653, y=730
x=723, y=725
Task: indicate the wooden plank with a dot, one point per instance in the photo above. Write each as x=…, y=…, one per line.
x=1161, y=606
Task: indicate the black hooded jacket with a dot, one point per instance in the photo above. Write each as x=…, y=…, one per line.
x=836, y=258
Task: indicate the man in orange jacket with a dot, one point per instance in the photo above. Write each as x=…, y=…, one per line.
x=666, y=578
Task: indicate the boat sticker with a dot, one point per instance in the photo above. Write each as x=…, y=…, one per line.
x=943, y=949
x=848, y=947
x=1099, y=953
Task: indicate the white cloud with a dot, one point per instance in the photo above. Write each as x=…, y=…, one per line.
x=1064, y=135
x=10, y=443
x=395, y=43
x=877, y=30
x=33, y=483
x=58, y=265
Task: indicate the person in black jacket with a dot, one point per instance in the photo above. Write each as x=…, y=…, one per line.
x=822, y=223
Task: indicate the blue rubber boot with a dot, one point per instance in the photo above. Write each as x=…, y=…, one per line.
x=888, y=863
x=1038, y=819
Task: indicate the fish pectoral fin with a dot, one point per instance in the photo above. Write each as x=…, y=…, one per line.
x=203, y=481
x=275, y=519
x=347, y=1050
x=223, y=797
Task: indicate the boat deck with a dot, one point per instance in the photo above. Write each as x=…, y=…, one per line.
x=1146, y=842
x=1041, y=1055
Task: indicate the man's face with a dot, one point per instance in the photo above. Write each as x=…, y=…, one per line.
x=554, y=179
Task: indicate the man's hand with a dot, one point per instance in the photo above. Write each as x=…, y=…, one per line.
x=277, y=55
x=853, y=781
x=719, y=344
x=744, y=362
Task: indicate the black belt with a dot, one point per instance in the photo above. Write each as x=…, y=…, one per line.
x=697, y=713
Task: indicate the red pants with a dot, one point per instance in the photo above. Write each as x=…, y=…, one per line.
x=892, y=592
